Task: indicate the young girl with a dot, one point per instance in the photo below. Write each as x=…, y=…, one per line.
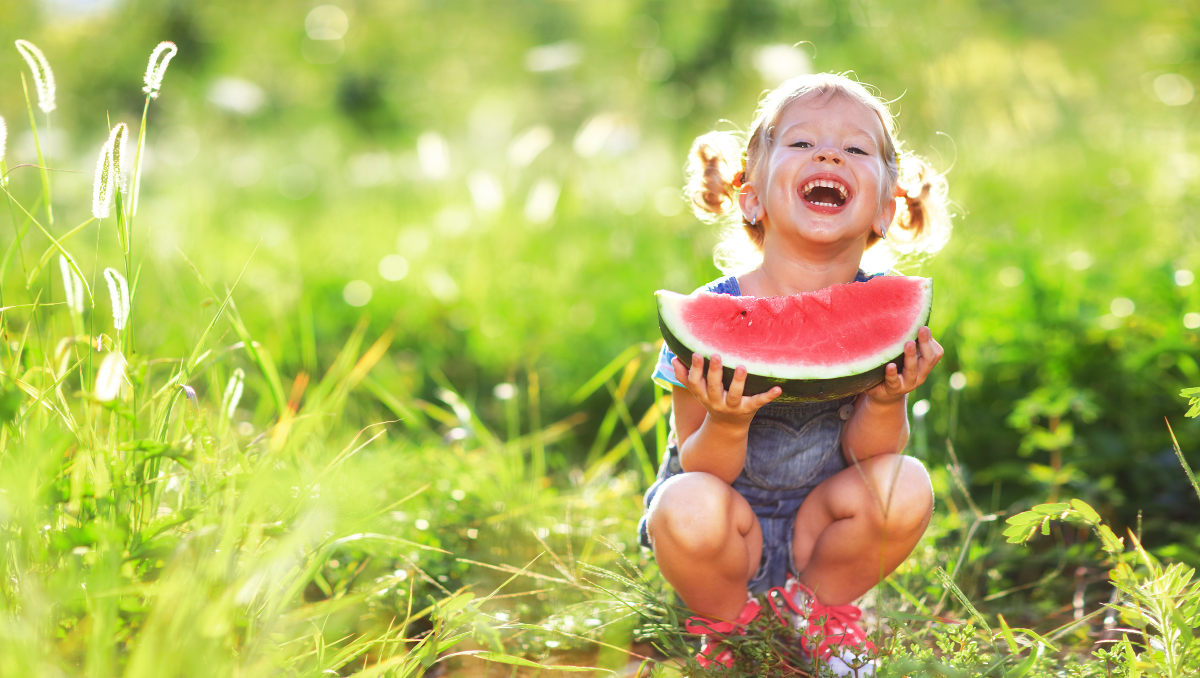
x=811, y=504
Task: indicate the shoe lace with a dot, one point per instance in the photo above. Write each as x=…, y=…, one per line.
x=832, y=624
x=709, y=653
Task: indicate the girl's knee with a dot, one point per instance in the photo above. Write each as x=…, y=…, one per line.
x=902, y=493
x=693, y=512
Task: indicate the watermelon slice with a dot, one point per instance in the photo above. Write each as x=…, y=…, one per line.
x=817, y=346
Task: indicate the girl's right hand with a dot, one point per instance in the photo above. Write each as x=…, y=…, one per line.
x=728, y=406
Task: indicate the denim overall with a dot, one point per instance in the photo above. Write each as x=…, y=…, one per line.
x=790, y=449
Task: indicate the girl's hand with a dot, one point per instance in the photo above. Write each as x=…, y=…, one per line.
x=919, y=358
x=726, y=406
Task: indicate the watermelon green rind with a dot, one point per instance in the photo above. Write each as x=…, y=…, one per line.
x=800, y=383
x=794, y=390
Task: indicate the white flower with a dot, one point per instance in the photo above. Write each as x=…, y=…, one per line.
x=118, y=293
x=233, y=392
x=155, y=70
x=43, y=77
x=110, y=377
x=72, y=286
x=110, y=166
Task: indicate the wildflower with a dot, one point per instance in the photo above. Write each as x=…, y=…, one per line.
x=233, y=392
x=191, y=394
x=43, y=77
x=72, y=286
x=118, y=293
x=109, y=377
x=155, y=70
x=109, y=167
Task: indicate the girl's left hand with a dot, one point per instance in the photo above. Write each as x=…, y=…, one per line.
x=919, y=358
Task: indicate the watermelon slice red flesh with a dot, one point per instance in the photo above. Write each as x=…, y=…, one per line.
x=817, y=345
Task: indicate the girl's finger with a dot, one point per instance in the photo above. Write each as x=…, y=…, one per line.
x=734, y=397
x=716, y=388
x=891, y=377
x=756, y=402
x=925, y=344
x=681, y=373
x=911, y=361
x=696, y=374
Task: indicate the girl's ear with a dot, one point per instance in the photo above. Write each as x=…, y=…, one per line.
x=886, y=214
x=752, y=209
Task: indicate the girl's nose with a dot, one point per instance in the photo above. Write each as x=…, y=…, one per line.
x=828, y=154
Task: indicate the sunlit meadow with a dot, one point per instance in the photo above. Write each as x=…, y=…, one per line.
x=327, y=330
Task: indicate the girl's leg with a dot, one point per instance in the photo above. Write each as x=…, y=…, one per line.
x=707, y=543
x=859, y=525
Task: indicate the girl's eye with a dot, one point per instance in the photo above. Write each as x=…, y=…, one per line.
x=856, y=149
x=801, y=144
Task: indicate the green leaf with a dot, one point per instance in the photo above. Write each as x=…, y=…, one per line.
x=1111, y=542
x=1046, y=526
x=520, y=661
x=1052, y=509
x=1008, y=635
x=1019, y=534
x=1027, y=665
x=1085, y=511
x=1130, y=658
x=452, y=606
x=1026, y=518
x=962, y=598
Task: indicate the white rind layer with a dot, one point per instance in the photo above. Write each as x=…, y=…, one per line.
x=670, y=303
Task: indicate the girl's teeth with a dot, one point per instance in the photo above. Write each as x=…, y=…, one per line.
x=827, y=184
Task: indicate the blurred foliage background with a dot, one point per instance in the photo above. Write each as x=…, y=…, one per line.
x=500, y=182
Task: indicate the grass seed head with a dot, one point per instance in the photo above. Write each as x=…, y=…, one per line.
x=72, y=286
x=43, y=77
x=118, y=294
x=233, y=392
x=3, y=142
x=109, y=171
x=157, y=68
x=110, y=376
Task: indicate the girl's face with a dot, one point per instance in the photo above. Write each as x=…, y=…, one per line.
x=823, y=180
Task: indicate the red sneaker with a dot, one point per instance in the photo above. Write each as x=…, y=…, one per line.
x=824, y=627
x=711, y=649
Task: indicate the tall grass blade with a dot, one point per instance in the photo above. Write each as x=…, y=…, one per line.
x=1182, y=462
x=37, y=144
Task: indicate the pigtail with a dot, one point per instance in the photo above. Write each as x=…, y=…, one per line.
x=921, y=226
x=713, y=164
x=715, y=174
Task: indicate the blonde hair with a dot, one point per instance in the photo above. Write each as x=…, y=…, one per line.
x=920, y=228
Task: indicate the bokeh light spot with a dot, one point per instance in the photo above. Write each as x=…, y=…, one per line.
x=393, y=267
x=1011, y=276
x=1122, y=307
x=357, y=293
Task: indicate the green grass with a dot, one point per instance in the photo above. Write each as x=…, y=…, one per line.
x=371, y=504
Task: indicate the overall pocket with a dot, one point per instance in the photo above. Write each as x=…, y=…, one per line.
x=782, y=455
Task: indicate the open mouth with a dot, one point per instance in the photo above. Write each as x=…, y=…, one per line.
x=825, y=193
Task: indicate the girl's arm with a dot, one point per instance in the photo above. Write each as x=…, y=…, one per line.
x=711, y=423
x=880, y=421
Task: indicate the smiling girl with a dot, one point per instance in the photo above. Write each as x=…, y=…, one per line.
x=807, y=504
